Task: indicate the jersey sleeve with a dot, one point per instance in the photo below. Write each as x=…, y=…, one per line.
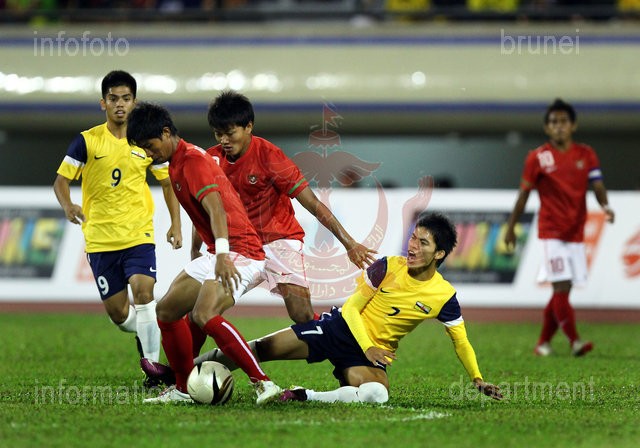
x=287, y=177
x=464, y=350
x=202, y=176
x=365, y=290
x=75, y=159
x=530, y=172
x=450, y=314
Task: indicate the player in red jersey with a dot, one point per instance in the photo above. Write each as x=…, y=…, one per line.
x=561, y=170
x=267, y=180
x=212, y=283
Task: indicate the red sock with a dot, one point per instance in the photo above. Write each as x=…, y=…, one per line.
x=316, y=316
x=564, y=314
x=234, y=346
x=198, y=337
x=549, y=323
x=176, y=342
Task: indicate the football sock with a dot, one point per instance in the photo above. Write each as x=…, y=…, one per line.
x=129, y=324
x=234, y=346
x=549, y=323
x=367, y=393
x=198, y=337
x=148, y=331
x=564, y=315
x=176, y=341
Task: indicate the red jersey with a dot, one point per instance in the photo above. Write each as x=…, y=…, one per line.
x=194, y=175
x=266, y=180
x=562, y=180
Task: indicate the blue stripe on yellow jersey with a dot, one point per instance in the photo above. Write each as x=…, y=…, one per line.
x=388, y=304
x=116, y=199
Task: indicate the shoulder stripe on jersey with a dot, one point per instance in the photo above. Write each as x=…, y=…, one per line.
x=159, y=166
x=71, y=161
x=296, y=185
x=450, y=312
x=376, y=272
x=205, y=188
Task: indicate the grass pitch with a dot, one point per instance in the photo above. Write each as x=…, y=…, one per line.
x=72, y=380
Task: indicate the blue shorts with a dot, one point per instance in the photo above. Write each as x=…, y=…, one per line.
x=112, y=270
x=330, y=338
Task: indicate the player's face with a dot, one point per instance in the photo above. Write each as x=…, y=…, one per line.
x=559, y=128
x=235, y=140
x=422, y=251
x=117, y=103
x=159, y=149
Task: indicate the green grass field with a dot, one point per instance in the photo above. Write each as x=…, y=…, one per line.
x=72, y=380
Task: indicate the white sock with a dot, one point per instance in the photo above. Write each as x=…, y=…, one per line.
x=129, y=324
x=367, y=393
x=148, y=331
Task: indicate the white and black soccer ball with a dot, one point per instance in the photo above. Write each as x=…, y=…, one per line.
x=210, y=383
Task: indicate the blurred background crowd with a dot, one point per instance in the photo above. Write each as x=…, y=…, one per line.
x=375, y=10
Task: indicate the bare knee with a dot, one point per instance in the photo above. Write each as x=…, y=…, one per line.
x=298, y=302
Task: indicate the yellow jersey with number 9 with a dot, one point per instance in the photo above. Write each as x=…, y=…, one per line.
x=116, y=199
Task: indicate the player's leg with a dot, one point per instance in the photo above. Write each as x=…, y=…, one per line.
x=212, y=301
x=364, y=385
x=549, y=328
x=120, y=311
x=297, y=299
x=139, y=265
x=285, y=273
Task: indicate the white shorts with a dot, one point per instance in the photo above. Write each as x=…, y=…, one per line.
x=285, y=264
x=563, y=261
x=252, y=271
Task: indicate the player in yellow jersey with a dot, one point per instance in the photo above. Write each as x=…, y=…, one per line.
x=394, y=295
x=117, y=215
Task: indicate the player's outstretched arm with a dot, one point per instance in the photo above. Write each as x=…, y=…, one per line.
x=359, y=255
x=488, y=389
x=518, y=208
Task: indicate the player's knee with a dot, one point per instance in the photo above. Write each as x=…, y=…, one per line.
x=373, y=393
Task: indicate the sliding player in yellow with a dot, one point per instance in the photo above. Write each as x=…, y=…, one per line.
x=117, y=216
x=394, y=295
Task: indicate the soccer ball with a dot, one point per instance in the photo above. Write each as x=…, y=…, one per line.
x=210, y=383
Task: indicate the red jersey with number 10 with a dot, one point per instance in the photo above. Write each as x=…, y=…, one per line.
x=194, y=174
x=562, y=180
x=266, y=180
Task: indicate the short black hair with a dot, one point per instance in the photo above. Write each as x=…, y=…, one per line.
x=230, y=109
x=443, y=230
x=146, y=121
x=560, y=105
x=117, y=78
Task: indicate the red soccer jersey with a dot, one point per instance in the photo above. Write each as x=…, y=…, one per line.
x=193, y=175
x=562, y=180
x=266, y=180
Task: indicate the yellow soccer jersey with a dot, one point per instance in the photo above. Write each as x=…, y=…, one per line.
x=388, y=304
x=116, y=199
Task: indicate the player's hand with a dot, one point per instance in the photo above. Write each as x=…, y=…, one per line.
x=380, y=356
x=611, y=216
x=226, y=273
x=488, y=389
x=174, y=237
x=74, y=214
x=360, y=255
x=510, y=239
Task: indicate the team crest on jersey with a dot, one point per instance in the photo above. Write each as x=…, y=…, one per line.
x=140, y=154
x=422, y=307
x=580, y=164
x=178, y=187
x=252, y=178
